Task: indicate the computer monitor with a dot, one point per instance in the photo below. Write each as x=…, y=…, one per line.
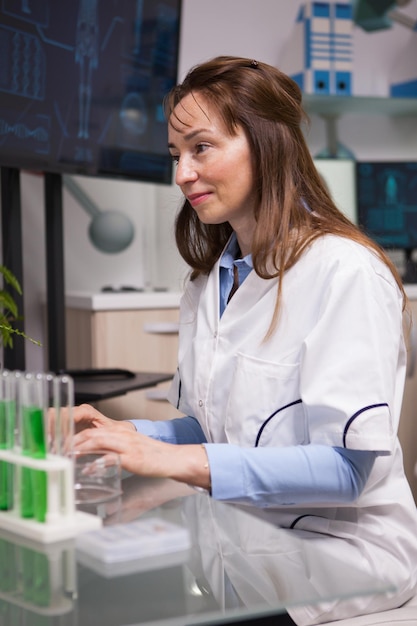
x=82, y=84
x=387, y=207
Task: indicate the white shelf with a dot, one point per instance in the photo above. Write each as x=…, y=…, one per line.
x=331, y=108
x=375, y=105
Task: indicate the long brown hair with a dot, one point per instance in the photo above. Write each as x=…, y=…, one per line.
x=294, y=206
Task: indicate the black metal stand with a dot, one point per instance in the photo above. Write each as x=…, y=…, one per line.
x=11, y=228
x=55, y=274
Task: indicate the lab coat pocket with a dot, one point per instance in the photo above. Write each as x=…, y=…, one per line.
x=264, y=405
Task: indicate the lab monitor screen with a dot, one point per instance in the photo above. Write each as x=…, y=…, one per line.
x=387, y=203
x=82, y=84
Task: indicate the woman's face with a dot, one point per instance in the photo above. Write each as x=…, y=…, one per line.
x=214, y=168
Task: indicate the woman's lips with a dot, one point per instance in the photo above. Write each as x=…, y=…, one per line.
x=197, y=198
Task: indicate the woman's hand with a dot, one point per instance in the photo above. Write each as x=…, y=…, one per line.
x=86, y=416
x=139, y=454
x=60, y=429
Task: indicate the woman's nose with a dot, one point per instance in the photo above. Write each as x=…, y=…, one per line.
x=185, y=172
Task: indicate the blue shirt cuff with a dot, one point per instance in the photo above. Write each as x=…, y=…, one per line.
x=181, y=430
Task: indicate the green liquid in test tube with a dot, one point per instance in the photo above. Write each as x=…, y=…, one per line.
x=7, y=424
x=33, y=494
x=26, y=494
x=32, y=405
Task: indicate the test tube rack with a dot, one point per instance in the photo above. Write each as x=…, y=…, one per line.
x=28, y=449
x=63, y=521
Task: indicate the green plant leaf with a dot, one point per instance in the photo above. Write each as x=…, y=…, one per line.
x=7, y=303
x=9, y=311
x=11, y=279
x=6, y=335
x=8, y=331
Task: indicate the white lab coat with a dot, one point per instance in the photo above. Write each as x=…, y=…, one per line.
x=332, y=373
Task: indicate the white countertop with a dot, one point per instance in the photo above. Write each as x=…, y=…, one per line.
x=119, y=301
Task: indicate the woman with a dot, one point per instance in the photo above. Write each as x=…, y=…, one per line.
x=291, y=355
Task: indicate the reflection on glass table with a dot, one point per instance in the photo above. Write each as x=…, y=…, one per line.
x=37, y=582
x=226, y=565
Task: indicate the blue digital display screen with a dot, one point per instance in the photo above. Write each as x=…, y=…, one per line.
x=387, y=202
x=82, y=84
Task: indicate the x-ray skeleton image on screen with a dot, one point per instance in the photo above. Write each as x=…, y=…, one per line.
x=82, y=84
x=387, y=207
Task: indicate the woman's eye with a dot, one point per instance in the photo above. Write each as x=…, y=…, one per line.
x=201, y=147
x=175, y=158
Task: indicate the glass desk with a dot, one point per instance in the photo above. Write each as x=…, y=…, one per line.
x=236, y=567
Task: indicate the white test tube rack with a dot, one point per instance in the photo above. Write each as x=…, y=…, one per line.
x=62, y=521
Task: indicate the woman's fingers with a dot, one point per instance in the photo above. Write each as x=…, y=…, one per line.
x=138, y=454
x=86, y=416
x=103, y=438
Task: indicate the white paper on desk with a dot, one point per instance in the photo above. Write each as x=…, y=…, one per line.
x=145, y=544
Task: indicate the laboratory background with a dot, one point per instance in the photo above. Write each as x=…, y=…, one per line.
x=122, y=291
x=263, y=30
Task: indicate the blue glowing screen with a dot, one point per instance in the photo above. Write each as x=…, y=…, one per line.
x=387, y=202
x=82, y=84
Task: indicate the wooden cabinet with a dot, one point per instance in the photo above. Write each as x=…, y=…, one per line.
x=140, y=340
x=408, y=423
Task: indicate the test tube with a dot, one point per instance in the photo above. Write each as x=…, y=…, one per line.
x=8, y=395
x=60, y=432
x=63, y=394
x=33, y=485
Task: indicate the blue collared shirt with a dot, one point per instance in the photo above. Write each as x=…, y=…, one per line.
x=227, y=263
